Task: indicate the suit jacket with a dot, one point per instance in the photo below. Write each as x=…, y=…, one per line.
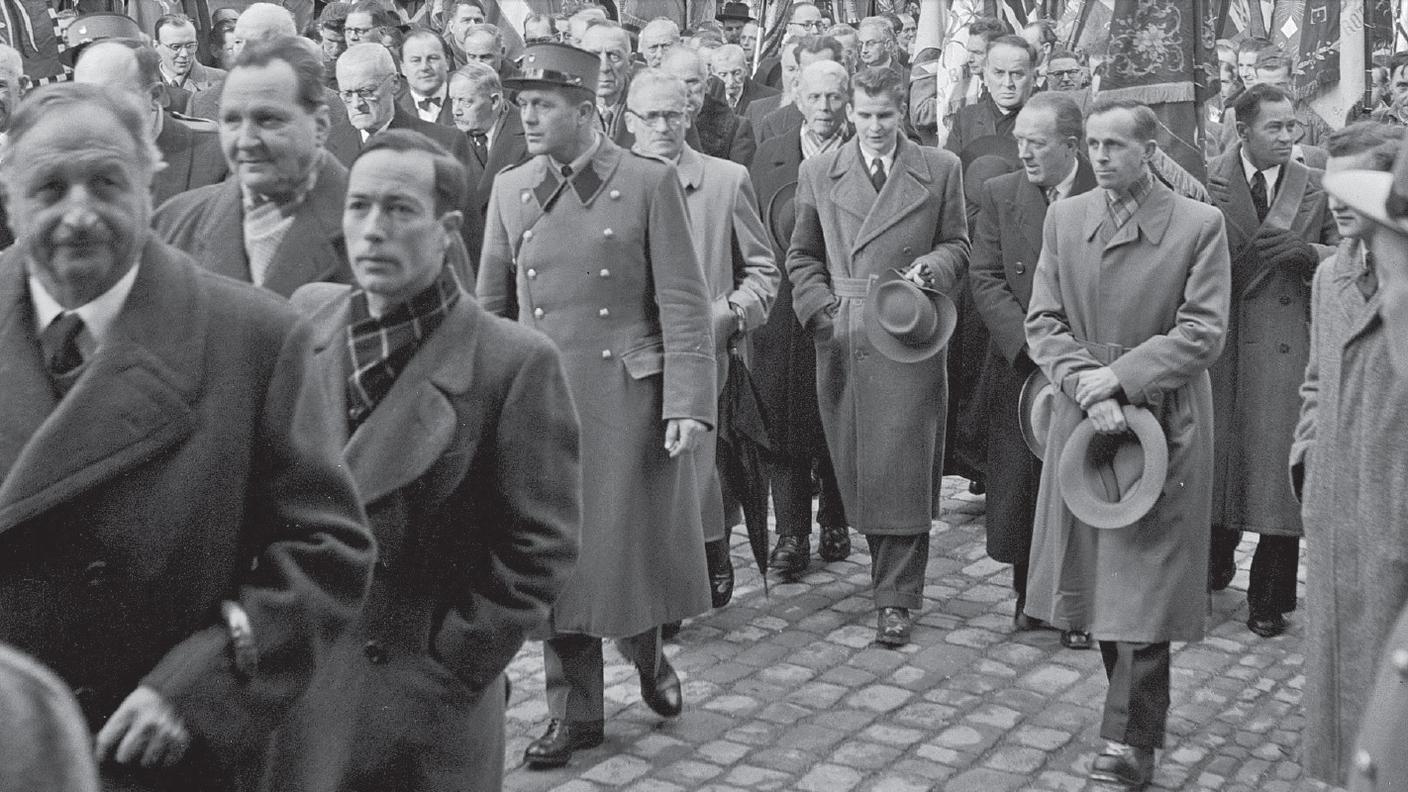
x=974, y=121
x=201, y=78
x=193, y=462
x=191, y=149
x=208, y=223
x=758, y=109
x=781, y=122
x=446, y=118
x=752, y=91
x=507, y=150
x=845, y=230
x=469, y=469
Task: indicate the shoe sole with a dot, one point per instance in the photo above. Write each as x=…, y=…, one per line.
x=1103, y=778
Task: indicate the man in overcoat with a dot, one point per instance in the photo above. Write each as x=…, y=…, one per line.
x=462, y=438
x=875, y=204
x=728, y=236
x=783, y=357
x=586, y=243
x=1278, y=229
x=178, y=539
x=1006, y=246
x=1129, y=306
x=1351, y=471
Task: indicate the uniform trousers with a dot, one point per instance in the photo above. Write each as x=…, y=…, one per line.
x=1136, y=704
x=573, y=669
x=1271, y=588
x=897, y=564
x=791, y=481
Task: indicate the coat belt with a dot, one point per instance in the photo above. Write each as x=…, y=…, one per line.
x=1105, y=354
x=850, y=287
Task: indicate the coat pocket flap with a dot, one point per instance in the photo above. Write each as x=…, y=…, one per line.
x=645, y=359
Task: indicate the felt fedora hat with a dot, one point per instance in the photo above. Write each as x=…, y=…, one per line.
x=782, y=215
x=736, y=11
x=552, y=64
x=1034, y=407
x=905, y=322
x=1113, y=480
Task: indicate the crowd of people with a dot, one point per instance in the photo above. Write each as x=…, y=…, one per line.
x=346, y=348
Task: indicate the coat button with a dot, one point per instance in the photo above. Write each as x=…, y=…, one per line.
x=527, y=235
x=605, y=273
x=532, y=273
x=1285, y=300
x=860, y=354
x=537, y=313
x=1400, y=661
x=525, y=196
x=608, y=233
x=1284, y=348
x=615, y=195
x=375, y=652
x=604, y=312
x=96, y=573
x=1364, y=763
x=1021, y=268
x=908, y=249
x=605, y=354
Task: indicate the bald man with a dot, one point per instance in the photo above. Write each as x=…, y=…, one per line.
x=189, y=146
x=730, y=64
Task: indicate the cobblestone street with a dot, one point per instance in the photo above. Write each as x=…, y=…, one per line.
x=789, y=693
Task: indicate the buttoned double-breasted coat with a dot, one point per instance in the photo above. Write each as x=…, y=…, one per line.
x=1349, y=454
x=607, y=275
x=194, y=461
x=1151, y=304
x=470, y=474
x=884, y=420
x=1257, y=379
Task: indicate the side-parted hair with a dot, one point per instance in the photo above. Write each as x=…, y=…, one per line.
x=1013, y=40
x=481, y=76
x=817, y=45
x=1248, y=103
x=307, y=66
x=1146, y=124
x=1070, y=123
x=987, y=27
x=172, y=20
x=877, y=80
x=1380, y=141
x=425, y=33
x=86, y=97
x=451, y=180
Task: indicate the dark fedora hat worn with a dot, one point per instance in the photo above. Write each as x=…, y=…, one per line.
x=552, y=64
x=95, y=27
x=1112, y=480
x=904, y=322
x=1034, y=408
x=736, y=11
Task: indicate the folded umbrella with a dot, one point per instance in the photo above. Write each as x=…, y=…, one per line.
x=744, y=447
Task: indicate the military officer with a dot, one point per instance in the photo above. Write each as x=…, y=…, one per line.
x=585, y=242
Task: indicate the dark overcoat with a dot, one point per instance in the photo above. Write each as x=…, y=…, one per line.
x=1151, y=304
x=194, y=461
x=1256, y=381
x=605, y=276
x=1006, y=247
x=1348, y=451
x=191, y=150
x=470, y=474
x=884, y=420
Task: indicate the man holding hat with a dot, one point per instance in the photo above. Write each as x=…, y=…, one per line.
x=588, y=243
x=1128, y=310
x=862, y=210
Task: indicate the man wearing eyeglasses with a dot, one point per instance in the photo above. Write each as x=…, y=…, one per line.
x=367, y=80
x=177, y=45
x=1278, y=229
x=806, y=20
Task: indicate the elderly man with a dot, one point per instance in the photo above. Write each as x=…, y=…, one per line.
x=714, y=128
x=425, y=65
x=11, y=84
x=729, y=63
x=177, y=43
x=1009, y=72
x=190, y=147
x=166, y=424
x=787, y=119
x=1006, y=246
x=1278, y=229
x=783, y=355
x=485, y=43
x=462, y=437
x=656, y=37
x=495, y=132
x=367, y=77
x=878, y=48
x=612, y=45
x=275, y=222
x=863, y=209
x=1350, y=474
x=634, y=332
x=732, y=245
x=1141, y=329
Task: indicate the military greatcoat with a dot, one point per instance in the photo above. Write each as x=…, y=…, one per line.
x=884, y=420
x=1152, y=305
x=608, y=274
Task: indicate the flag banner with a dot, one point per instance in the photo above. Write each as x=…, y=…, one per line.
x=1318, y=60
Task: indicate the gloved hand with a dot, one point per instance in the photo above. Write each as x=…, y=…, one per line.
x=1286, y=249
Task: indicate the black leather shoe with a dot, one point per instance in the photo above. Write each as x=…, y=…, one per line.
x=791, y=555
x=1076, y=639
x=1124, y=765
x=555, y=747
x=1220, y=576
x=720, y=572
x=662, y=694
x=892, y=626
x=835, y=543
x=1267, y=626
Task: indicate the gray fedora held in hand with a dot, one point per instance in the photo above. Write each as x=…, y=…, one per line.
x=1113, y=480
x=907, y=323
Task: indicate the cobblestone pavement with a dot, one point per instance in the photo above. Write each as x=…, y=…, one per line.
x=788, y=692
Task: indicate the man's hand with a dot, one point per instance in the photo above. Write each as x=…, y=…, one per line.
x=144, y=730
x=683, y=435
x=1107, y=417
x=918, y=274
x=1286, y=248
x=1096, y=385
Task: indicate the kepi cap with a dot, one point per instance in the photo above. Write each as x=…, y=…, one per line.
x=96, y=27
x=555, y=65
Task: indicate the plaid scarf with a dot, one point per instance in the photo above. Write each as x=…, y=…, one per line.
x=1121, y=205
x=381, y=346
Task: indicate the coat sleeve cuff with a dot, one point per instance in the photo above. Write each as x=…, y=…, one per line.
x=691, y=387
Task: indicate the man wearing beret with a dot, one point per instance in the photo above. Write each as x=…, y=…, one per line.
x=587, y=243
x=1129, y=307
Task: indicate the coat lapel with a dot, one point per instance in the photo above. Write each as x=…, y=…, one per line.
x=905, y=190
x=28, y=394
x=1227, y=183
x=308, y=252
x=220, y=246
x=1290, y=197
x=134, y=400
x=1030, y=212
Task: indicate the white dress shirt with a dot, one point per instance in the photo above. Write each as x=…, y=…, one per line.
x=97, y=314
x=433, y=114
x=1272, y=175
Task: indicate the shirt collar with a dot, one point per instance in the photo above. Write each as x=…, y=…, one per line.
x=1137, y=192
x=440, y=94
x=580, y=163
x=97, y=314
x=1063, y=188
x=1272, y=173
x=173, y=79
x=887, y=159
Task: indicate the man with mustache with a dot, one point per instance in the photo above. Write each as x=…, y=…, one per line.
x=178, y=538
x=1278, y=229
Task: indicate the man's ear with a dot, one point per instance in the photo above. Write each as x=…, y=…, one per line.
x=451, y=222
x=322, y=122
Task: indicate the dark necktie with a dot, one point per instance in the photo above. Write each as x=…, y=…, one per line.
x=480, y=142
x=1259, y=196
x=1368, y=280
x=59, y=343
x=429, y=102
x=877, y=174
